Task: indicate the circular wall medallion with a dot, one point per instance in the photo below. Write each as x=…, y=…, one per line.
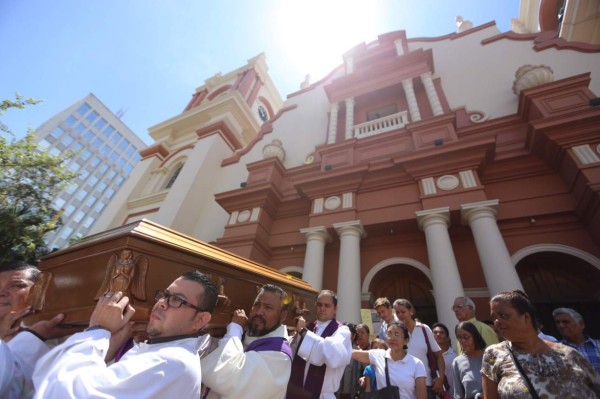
x=332, y=203
x=244, y=216
x=447, y=182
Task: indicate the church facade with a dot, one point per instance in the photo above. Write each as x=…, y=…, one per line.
x=420, y=168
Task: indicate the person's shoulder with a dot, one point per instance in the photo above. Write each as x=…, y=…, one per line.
x=563, y=348
x=412, y=359
x=496, y=349
x=595, y=342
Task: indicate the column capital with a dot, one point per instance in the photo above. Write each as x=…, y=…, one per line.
x=335, y=106
x=426, y=75
x=349, y=101
x=352, y=227
x=429, y=217
x=318, y=232
x=474, y=210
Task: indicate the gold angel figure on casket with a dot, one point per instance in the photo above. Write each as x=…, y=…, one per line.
x=126, y=274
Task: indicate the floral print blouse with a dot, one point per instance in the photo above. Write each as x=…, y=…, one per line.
x=559, y=373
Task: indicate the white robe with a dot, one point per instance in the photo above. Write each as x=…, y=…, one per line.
x=232, y=373
x=17, y=361
x=76, y=369
x=335, y=352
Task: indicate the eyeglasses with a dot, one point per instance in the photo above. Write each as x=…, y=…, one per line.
x=394, y=335
x=173, y=301
x=457, y=307
x=463, y=337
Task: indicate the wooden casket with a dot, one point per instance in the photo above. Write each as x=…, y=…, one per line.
x=145, y=257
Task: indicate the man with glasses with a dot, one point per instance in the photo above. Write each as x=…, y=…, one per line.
x=257, y=363
x=464, y=309
x=166, y=365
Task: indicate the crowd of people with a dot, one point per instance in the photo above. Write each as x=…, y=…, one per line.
x=260, y=357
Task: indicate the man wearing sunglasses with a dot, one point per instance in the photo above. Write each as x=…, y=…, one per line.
x=255, y=364
x=166, y=365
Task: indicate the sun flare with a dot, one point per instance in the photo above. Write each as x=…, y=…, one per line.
x=315, y=33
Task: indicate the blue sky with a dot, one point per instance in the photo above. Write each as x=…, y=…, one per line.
x=148, y=56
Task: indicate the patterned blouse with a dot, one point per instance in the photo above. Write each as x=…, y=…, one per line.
x=559, y=373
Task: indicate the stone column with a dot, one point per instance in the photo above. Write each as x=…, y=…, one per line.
x=446, y=281
x=333, y=116
x=498, y=269
x=413, y=107
x=316, y=237
x=349, y=118
x=432, y=96
x=348, y=286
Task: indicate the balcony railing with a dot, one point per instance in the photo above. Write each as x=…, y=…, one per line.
x=381, y=125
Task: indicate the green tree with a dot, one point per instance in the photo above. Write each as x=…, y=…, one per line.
x=30, y=178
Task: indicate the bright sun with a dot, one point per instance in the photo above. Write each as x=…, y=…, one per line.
x=315, y=33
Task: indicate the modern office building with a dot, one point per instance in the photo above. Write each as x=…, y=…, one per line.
x=420, y=168
x=106, y=151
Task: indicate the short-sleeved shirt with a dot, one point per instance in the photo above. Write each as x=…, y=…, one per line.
x=417, y=346
x=403, y=373
x=562, y=372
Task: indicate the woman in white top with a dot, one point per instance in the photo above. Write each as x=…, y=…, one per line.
x=406, y=371
x=418, y=346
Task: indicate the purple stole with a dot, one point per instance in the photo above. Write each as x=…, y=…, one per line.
x=298, y=388
x=274, y=344
x=123, y=349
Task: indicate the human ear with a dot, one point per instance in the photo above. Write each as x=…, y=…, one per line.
x=201, y=319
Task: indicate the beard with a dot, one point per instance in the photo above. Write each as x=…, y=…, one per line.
x=254, y=329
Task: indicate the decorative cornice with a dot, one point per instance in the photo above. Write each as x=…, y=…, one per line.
x=157, y=150
x=224, y=130
x=545, y=40
x=187, y=147
x=453, y=36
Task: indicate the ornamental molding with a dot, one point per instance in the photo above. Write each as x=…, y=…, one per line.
x=528, y=76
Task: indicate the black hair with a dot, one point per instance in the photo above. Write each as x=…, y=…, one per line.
x=407, y=304
x=519, y=301
x=471, y=329
x=365, y=327
x=442, y=326
x=401, y=326
x=16, y=265
x=353, y=332
x=279, y=291
x=209, y=299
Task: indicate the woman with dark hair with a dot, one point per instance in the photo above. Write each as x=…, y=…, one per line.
x=525, y=366
x=467, y=367
x=421, y=338
x=405, y=371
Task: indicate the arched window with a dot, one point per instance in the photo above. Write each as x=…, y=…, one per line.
x=174, y=175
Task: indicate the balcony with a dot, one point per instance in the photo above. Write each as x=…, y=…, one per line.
x=381, y=125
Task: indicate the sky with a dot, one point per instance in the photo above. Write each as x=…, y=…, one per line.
x=147, y=57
